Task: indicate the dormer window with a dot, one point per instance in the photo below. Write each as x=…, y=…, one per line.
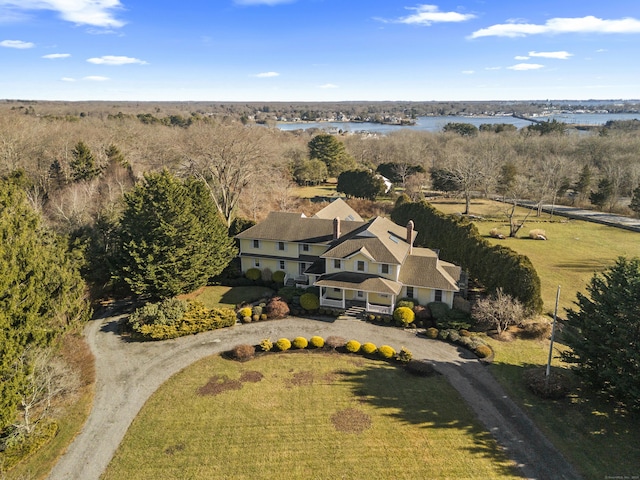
x=305, y=247
x=337, y=263
x=384, y=268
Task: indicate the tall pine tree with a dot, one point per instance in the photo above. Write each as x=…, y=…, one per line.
x=172, y=237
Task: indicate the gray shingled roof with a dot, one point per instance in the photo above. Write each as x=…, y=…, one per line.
x=423, y=269
x=360, y=281
x=295, y=227
x=379, y=238
x=339, y=209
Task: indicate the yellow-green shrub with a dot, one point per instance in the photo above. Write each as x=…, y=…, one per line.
x=300, y=343
x=352, y=346
x=483, y=351
x=283, y=344
x=266, y=345
x=245, y=312
x=309, y=301
x=369, y=348
x=278, y=276
x=404, y=315
x=316, y=341
x=404, y=355
x=386, y=352
x=253, y=274
x=431, y=332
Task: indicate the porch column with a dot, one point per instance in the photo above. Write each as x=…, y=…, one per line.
x=343, y=298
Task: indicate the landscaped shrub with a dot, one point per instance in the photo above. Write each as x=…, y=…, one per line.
x=256, y=310
x=316, y=342
x=404, y=355
x=277, y=308
x=352, y=346
x=266, y=274
x=247, y=319
x=335, y=342
x=557, y=386
x=309, y=301
x=386, y=352
x=289, y=293
x=431, y=333
x=535, y=330
x=243, y=352
x=300, y=343
x=266, y=345
x=167, y=312
x=278, y=276
x=253, y=274
x=439, y=310
x=404, y=315
x=422, y=313
x=368, y=348
x=263, y=317
x=283, y=344
x=406, y=302
x=245, y=312
x=255, y=318
x=483, y=351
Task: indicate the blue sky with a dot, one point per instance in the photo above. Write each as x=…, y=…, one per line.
x=319, y=50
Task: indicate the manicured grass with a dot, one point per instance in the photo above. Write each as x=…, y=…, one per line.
x=573, y=252
x=600, y=440
x=325, y=190
x=311, y=415
x=221, y=296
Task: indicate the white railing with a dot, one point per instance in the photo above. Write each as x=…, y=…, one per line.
x=327, y=302
x=385, y=310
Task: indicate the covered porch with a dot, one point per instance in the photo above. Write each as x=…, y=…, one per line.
x=343, y=289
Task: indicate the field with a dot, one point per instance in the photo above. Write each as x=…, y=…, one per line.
x=573, y=252
x=306, y=415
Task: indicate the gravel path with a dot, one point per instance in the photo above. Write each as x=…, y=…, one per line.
x=127, y=373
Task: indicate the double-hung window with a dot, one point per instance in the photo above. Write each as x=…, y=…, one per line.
x=438, y=296
x=281, y=246
x=256, y=244
x=360, y=266
x=409, y=292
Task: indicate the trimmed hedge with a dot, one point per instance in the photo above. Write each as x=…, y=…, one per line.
x=309, y=301
x=316, y=342
x=253, y=274
x=352, y=346
x=386, y=352
x=404, y=315
x=283, y=344
x=460, y=242
x=278, y=276
x=369, y=348
x=300, y=343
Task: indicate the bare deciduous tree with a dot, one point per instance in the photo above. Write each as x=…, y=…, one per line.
x=498, y=311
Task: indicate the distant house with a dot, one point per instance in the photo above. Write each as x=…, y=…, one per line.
x=372, y=263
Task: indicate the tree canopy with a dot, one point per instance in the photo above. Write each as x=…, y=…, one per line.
x=172, y=239
x=360, y=184
x=41, y=293
x=605, y=332
x=332, y=152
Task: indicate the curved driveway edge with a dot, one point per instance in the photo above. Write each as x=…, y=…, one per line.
x=127, y=373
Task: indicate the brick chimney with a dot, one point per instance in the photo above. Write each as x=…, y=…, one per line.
x=336, y=228
x=410, y=236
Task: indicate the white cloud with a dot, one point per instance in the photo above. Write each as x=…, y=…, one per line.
x=557, y=55
x=16, y=44
x=601, y=50
x=589, y=24
x=328, y=85
x=53, y=56
x=115, y=60
x=526, y=66
x=428, y=14
x=468, y=72
x=493, y=68
x=521, y=57
x=95, y=78
x=271, y=3
x=266, y=75
x=99, y=13
x=68, y=79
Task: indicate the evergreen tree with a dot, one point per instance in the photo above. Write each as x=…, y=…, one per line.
x=604, y=332
x=584, y=181
x=635, y=202
x=172, y=239
x=360, y=184
x=600, y=197
x=83, y=165
x=41, y=293
x=332, y=152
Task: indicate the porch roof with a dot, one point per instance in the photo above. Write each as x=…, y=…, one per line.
x=360, y=281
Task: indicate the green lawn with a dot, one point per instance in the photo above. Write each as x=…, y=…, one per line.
x=573, y=252
x=221, y=296
x=306, y=415
x=325, y=190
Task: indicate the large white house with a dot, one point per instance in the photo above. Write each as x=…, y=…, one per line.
x=353, y=262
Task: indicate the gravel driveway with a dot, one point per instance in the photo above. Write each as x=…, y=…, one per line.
x=127, y=373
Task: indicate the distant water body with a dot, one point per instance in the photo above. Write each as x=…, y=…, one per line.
x=435, y=124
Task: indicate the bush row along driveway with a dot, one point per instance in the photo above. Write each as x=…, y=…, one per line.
x=127, y=373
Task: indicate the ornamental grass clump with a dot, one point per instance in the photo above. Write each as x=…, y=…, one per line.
x=483, y=351
x=243, y=352
x=404, y=355
x=352, y=346
x=300, y=343
x=283, y=344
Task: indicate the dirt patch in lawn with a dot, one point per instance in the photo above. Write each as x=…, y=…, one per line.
x=219, y=384
x=251, y=377
x=351, y=420
x=300, y=379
